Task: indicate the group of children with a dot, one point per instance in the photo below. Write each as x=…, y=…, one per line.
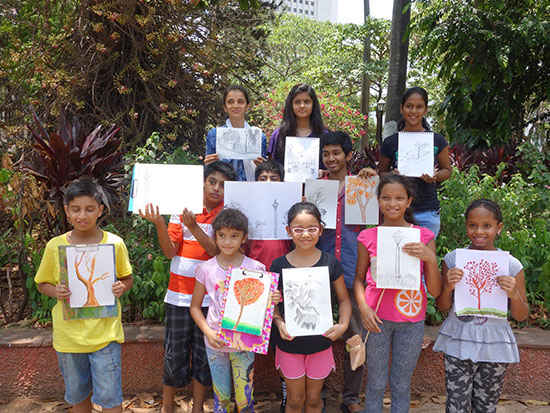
x=204, y=246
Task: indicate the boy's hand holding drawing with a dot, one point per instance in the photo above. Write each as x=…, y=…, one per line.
x=151, y=214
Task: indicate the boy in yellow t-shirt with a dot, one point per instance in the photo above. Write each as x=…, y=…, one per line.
x=88, y=350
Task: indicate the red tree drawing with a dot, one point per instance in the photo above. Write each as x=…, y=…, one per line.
x=480, y=278
x=247, y=291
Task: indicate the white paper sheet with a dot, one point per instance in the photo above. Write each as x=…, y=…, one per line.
x=172, y=187
x=361, y=201
x=324, y=194
x=478, y=292
x=91, y=274
x=301, y=159
x=239, y=143
x=415, y=155
x=395, y=268
x=265, y=204
x=247, y=300
x=306, y=292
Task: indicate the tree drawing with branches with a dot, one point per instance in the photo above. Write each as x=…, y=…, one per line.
x=480, y=278
x=359, y=192
x=247, y=291
x=88, y=279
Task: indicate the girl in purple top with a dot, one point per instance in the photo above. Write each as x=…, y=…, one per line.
x=301, y=117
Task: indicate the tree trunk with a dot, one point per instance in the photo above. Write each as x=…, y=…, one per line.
x=399, y=50
x=365, y=84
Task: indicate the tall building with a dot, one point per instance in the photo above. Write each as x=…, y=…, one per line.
x=321, y=10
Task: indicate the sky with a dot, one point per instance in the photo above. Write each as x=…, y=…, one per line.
x=351, y=11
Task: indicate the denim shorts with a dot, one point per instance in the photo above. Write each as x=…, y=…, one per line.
x=98, y=373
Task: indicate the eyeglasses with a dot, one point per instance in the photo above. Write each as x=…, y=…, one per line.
x=300, y=230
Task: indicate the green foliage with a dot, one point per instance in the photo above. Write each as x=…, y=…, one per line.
x=526, y=232
x=491, y=55
x=328, y=56
x=143, y=65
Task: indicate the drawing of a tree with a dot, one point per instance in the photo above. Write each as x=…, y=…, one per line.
x=247, y=291
x=480, y=278
x=398, y=238
x=88, y=280
x=318, y=197
x=359, y=192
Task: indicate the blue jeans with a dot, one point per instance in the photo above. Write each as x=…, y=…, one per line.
x=428, y=219
x=405, y=341
x=98, y=373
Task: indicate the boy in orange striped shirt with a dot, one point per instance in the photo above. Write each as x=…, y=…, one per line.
x=188, y=241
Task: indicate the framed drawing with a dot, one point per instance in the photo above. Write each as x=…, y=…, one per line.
x=395, y=268
x=307, y=300
x=240, y=339
x=89, y=271
x=324, y=194
x=478, y=292
x=155, y=183
x=361, y=201
x=301, y=159
x=239, y=143
x=246, y=301
x=415, y=155
x=265, y=204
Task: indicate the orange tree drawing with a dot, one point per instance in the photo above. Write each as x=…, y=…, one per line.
x=88, y=280
x=481, y=278
x=358, y=192
x=247, y=291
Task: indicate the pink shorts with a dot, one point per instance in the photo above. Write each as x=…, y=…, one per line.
x=316, y=366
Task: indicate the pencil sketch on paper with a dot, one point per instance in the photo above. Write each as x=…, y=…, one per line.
x=246, y=301
x=395, y=268
x=154, y=183
x=306, y=293
x=301, y=159
x=361, y=202
x=478, y=293
x=265, y=204
x=239, y=143
x=415, y=153
x=91, y=275
x=324, y=194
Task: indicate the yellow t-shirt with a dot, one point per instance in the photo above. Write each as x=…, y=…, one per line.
x=85, y=335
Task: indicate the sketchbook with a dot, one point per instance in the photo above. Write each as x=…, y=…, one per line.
x=246, y=295
x=239, y=143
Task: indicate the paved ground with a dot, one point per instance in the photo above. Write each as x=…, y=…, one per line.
x=266, y=403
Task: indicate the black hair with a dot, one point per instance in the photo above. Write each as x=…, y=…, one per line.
x=269, y=166
x=236, y=87
x=337, y=138
x=288, y=125
x=424, y=95
x=86, y=186
x=231, y=218
x=489, y=205
x=221, y=167
x=307, y=207
x=406, y=183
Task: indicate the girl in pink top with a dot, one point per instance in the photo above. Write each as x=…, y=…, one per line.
x=394, y=318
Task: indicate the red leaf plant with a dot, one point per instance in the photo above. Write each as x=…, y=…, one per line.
x=247, y=291
x=481, y=278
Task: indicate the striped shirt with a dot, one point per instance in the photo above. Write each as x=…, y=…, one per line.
x=190, y=253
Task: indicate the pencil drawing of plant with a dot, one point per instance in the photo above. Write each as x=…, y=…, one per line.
x=301, y=296
x=398, y=238
x=419, y=151
x=480, y=278
x=318, y=197
x=88, y=278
